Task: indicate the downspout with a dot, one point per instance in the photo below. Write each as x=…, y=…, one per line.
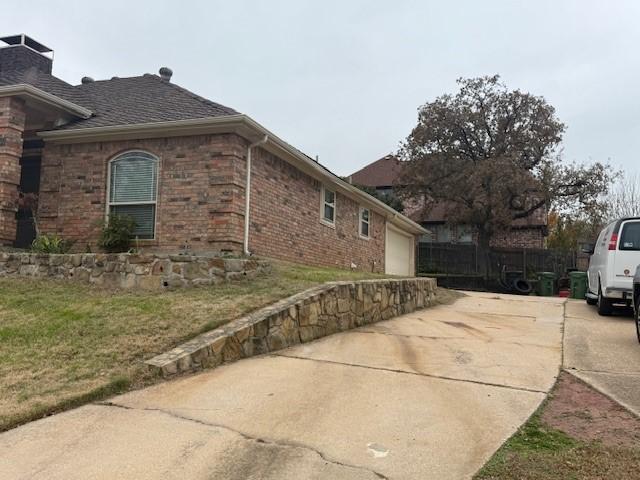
x=247, y=196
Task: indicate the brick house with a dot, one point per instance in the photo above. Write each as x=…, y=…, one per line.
x=524, y=233
x=178, y=164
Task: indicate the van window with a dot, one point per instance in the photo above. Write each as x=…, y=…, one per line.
x=630, y=239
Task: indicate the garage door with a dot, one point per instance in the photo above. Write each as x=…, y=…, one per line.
x=399, y=251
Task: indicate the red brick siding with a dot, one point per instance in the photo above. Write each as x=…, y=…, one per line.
x=12, y=122
x=519, y=238
x=285, y=220
x=201, y=202
x=199, y=192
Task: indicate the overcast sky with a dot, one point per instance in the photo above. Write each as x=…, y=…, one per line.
x=343, y=79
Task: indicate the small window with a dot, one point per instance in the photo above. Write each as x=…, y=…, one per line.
x=364, y=222
x=133, y=179
x=630, y=239
x=328, y=206
x=465, y=233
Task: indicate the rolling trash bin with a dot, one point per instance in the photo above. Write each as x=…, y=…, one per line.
x=546, y=284
x=578, y=285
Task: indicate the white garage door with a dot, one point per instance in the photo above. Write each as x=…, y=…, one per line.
x=398, y=254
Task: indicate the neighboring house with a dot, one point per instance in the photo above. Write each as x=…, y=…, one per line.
x=176, y=163
x=524, y=233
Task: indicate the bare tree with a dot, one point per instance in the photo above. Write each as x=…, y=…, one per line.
x=624, y=198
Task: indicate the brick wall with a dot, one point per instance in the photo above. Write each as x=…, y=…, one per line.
x=285, y=220
x=519, y=238
x=201, y=202
x=199, y=191
x=12, y=122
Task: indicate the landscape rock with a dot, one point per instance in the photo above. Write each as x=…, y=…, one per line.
x=133, y=271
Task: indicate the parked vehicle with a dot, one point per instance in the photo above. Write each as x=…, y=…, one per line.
x=614, y=259
x=636, y=301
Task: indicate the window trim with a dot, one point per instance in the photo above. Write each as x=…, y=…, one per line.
x=323, y=203
x=361, y=221
x=109, y=204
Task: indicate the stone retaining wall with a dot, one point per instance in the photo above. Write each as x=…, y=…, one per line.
x=128, y=270
x=314, y=313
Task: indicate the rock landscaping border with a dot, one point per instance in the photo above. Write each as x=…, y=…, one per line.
x=314, y=313
x=131, y=270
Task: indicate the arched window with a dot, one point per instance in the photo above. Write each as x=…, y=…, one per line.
x=133, y=180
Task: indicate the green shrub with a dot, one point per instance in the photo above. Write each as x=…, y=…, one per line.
x=116, y=233
x=51, y=244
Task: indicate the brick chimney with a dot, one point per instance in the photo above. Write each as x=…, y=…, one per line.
x=22, y=54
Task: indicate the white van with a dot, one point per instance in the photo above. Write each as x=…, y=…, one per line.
x=613, y=263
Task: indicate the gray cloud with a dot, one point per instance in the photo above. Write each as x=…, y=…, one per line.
x=343, y=80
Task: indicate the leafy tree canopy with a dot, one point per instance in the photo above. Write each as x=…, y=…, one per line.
x=492, y=156
x=390, y=198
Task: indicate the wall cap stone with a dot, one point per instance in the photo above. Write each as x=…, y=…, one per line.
x=305, y=316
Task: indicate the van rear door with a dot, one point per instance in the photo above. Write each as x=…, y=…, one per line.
x=627, y=257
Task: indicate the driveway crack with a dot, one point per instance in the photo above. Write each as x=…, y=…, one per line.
x=419, y=374
x=248, y=437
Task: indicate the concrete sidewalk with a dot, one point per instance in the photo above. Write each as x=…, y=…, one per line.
x=604, y=352
x=427, y=395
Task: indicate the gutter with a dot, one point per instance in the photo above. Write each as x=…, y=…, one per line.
x=246, y=127
x=33, y=93
x=247, y=192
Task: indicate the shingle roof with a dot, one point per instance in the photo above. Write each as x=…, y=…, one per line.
x=381, y=173
x=123, y=101
x=144, y=99
x=47, y=83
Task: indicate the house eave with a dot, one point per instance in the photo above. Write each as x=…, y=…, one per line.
x=245, y=127
x=29, y=92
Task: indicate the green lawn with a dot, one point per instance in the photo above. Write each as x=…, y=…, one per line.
x=63, y=344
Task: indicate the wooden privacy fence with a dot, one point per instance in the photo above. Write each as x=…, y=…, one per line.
x=466, y=259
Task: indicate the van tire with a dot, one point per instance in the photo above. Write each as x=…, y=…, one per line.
x=604, y=304
x=637, y=315
x=592, y=301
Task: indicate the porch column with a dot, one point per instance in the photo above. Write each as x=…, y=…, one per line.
x=12, y=120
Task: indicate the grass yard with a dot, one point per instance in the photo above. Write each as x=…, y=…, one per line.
x=577, y=434
x=63, y=344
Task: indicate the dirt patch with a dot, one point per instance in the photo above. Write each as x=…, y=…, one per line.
x=578, y=433
x=585, y=414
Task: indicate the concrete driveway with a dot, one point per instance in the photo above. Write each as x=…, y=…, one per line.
x=604, y=352
x=427, y=395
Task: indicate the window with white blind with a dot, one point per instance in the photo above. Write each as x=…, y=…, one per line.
x=133, y=180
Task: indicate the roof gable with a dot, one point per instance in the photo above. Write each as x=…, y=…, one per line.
x=381, y=173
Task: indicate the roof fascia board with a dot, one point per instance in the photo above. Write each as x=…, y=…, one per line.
x=34, y=93
x=245, y=127
x=314, y=169
x=175, y=128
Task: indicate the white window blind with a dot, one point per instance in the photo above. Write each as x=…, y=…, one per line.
x=132, y=190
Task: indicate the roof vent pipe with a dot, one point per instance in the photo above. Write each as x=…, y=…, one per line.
x=86, y=80
x=165, y=73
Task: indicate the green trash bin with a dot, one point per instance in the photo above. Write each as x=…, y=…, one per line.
x=546, y=284
x=578, y=285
